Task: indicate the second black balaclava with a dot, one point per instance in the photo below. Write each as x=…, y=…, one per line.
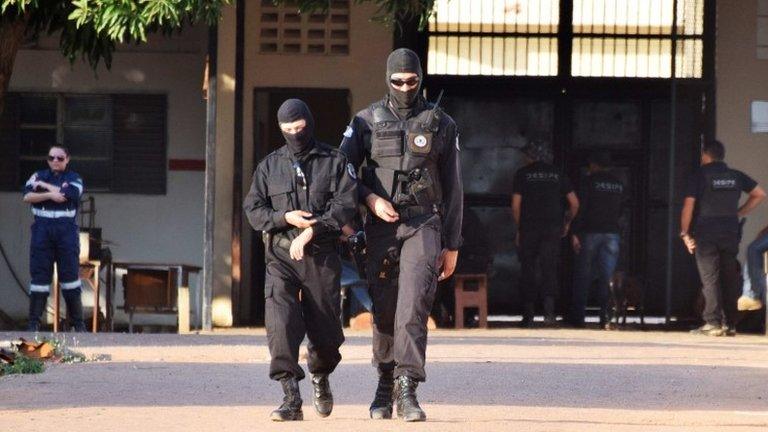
x=399, y=61
x=293, y=110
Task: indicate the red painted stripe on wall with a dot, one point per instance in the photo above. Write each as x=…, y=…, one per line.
x=186, y=165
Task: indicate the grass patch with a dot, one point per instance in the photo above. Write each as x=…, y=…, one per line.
x=56, y=351
x=23, y=365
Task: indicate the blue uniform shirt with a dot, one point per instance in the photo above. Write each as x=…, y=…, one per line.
x=71, y=185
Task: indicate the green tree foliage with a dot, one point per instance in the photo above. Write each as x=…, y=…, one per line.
x=92, y=29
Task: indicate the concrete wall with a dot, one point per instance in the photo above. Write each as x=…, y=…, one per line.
x=361, y=71
x=166, y=228
x=741, y=78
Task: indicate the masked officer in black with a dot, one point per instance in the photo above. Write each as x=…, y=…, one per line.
x=537, y=196
x=412, y=185
x=712, y=204
x=300, y=197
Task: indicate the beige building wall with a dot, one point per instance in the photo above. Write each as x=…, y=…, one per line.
x=142, y=228
x=741, y=78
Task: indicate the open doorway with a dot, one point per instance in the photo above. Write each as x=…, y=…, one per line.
x=331, y=110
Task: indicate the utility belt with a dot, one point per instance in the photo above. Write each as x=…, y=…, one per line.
x=406, y=213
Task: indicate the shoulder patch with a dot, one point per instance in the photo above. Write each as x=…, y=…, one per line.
x=351, y=171
x=348, y=132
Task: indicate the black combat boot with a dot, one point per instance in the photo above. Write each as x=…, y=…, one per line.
x=381, y=407
x=291, y=408
x=74, y=309
x=322, y=398
x=550, y=319
x=37, y=302
x=408, y=407
x=529, y=310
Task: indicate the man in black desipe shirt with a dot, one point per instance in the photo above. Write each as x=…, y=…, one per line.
x=537, y=208
x=712, y=204
x=595, y=237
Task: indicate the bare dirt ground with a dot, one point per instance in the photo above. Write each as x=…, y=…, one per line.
x=511, y=380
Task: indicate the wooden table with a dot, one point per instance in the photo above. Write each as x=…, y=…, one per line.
x=89, y=270
x=182, y=272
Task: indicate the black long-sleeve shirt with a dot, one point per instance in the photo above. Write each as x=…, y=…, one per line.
x=602, y=198
x=357, y=146
x=319, y=183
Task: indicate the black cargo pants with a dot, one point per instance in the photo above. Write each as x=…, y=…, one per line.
x=403, y=296
x=539, y=249
x=289, y=318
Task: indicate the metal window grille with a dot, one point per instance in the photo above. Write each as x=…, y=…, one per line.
x=494, y=37
x=118, y=142
x=611, y=38
x=630, y=38
x=285, y=30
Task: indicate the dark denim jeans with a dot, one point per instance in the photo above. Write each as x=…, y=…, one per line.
x=596, y=260
x=754, y=285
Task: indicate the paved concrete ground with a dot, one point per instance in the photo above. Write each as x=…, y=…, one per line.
x=511, y=380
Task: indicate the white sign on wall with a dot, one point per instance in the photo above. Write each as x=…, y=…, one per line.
x=759, y=116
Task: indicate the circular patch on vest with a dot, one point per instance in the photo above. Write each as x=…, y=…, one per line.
x=351, y=171
x=420, y=141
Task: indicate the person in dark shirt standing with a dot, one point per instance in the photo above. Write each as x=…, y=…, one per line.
x=596, y=237
x=709, y=225
x=537, y=208
x=301, y=196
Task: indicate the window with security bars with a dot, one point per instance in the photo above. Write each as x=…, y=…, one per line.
x=630, y=38
x=285, y=30
x=610, y=38
x=118, y=142
x=494, y=37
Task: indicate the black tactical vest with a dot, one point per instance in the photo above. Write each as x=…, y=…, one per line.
x=405, y=158
x=720, y=197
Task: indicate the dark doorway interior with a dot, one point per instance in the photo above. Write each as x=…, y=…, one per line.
x=331, y=110
x=629, y=119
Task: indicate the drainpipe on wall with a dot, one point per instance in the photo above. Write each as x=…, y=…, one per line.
x=206, y=280
x=671, y=186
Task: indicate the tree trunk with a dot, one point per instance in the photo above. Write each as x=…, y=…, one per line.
x=11, y=38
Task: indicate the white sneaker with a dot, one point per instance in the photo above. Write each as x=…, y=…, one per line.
x=749, y=304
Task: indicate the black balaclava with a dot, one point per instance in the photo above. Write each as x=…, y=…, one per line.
x=399, y=61
x=293, y=110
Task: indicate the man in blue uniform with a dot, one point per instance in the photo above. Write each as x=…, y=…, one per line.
x=55, y=196
x=709, y=225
